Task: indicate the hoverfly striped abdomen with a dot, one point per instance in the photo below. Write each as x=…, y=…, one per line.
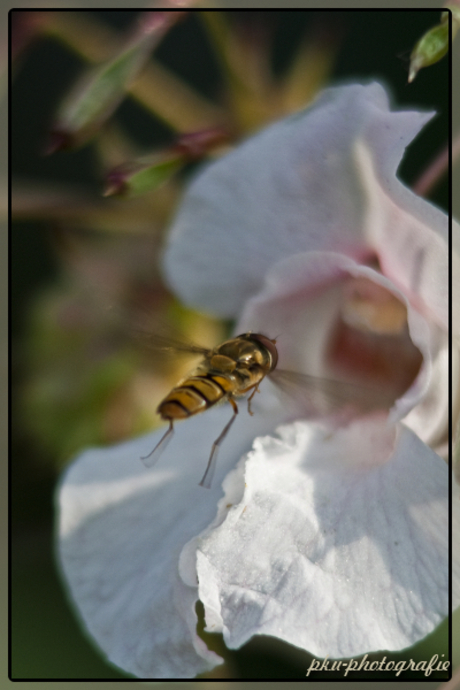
x=233, y=368
x=195, y=394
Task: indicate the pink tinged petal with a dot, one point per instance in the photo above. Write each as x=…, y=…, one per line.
x=334, y=547
x=410, y=236
x=121, y=530
x=302, y=304
x=297, y=186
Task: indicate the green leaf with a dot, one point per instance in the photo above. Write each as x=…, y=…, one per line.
x=100, y=91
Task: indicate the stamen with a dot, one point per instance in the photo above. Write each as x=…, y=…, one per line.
x=368, y=306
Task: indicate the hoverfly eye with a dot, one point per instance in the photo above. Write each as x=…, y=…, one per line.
x=269, y=345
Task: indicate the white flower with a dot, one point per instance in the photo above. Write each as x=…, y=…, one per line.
x=330, y=534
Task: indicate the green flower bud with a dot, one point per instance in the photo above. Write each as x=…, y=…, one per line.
x=434, y=44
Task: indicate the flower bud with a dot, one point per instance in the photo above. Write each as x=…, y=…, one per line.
x=434, y=44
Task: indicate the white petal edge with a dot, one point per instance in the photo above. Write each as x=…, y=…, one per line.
x=337, y=561
x=296, y=186
x=121, y=530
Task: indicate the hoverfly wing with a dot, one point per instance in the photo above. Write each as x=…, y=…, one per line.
x=170, y=346
x=317, y=396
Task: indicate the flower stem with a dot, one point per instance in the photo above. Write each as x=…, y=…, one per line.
x=437, y=169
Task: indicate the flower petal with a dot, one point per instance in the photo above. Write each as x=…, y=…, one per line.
x=301, y=300
x=338, y=558
x=410, y=236
x=121, y=530
x=297, y=186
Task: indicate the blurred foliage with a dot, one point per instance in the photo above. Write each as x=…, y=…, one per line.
x=87, y=268
x=434, y=44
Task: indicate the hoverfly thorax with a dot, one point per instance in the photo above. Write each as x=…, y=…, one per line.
x=251, y=350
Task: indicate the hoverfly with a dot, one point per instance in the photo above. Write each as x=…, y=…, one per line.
x=237, y=367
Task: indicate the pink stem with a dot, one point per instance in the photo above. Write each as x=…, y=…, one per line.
x=437, y=168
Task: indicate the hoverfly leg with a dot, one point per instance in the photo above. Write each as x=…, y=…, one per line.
x=256, y=390
x=150, y=459
x=208, y=475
